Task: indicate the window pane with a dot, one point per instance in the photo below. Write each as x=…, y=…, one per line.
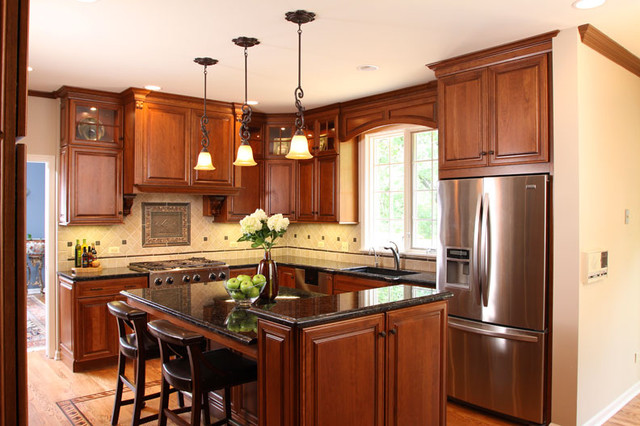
x=382, y=151
x=422, y=203
x=397, y=177
x=423, y=146
x=423, y=176
x=381, y=178
x=397, y=149
x=397, y=230
x=381, y=205
x=397, y=205
x=434, y=136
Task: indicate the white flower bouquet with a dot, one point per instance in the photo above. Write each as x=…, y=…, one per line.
x=262, y=230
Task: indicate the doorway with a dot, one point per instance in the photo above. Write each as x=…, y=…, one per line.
x=41, y=255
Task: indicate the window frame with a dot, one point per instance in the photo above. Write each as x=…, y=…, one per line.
x=366, y=178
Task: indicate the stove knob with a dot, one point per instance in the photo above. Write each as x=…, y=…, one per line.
x=157, y=281
x=169, y=280
x=212, y=276
x=196, y=278
x=222, y=275
x=186, y=279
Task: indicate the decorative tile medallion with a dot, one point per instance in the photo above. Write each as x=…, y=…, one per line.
x=166, y=224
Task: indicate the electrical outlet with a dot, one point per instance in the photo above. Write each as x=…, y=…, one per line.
x=233, y=244
x=114, y=250
x=321, y=244
x=345, y=246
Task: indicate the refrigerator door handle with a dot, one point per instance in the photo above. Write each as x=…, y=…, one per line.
x=511, y=334
x=477, y=251
x=486, y=250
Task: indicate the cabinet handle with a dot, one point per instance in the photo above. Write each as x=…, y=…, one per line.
x=96, y=289
x=393, y=331
x=382, y=334
x=491, y=152
x=483, y=153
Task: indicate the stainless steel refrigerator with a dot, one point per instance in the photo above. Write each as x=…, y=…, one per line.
x=493, y=257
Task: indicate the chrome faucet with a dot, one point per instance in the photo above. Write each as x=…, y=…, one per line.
x=396, y=255
x=375, y=256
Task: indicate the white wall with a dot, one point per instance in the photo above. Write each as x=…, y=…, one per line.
x=609, y=318
x=43, y=126
x=596, y=177
x=565, y=229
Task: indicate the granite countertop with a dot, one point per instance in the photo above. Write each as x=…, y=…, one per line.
x=208, y=305
x=106, y=273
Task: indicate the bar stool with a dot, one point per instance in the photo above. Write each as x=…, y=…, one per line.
x=131, y=348
x=198, y=372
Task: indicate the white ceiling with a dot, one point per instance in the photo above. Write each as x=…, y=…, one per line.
x=114, y=44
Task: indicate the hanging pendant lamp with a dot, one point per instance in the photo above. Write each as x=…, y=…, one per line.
x=204, y=158
x=299, y=145
x=245, y=154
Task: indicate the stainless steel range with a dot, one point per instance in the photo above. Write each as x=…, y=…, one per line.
x=183, y=271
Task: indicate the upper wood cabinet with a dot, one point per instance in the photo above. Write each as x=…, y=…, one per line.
x=493, y=110
x=162, y=141
x=91, y=157
x=280, y=188
x=317, y=192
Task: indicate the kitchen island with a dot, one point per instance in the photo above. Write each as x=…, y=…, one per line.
x=370, y=357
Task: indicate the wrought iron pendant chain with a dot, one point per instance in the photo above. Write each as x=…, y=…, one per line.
x=245, y=134
x=299, y=93
x=204, y=120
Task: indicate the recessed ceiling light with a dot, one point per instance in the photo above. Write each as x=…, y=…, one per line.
x=587, y=4
x=93, y=109
x=252, y=102
x=152, y=87
x=367, y=68
x=29, y=69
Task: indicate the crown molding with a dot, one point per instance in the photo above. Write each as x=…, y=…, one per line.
x=606, y=46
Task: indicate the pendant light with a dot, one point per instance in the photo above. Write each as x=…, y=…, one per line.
x=299, y=149
x=204, y=158
x=245, y=154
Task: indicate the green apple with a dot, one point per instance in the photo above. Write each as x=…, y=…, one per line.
x=258, y=278
x=237, y=295
x=243, y=277
x=233, y=283
x=254, y=292
x=246, y=286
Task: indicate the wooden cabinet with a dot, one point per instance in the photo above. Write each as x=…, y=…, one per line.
x=250, y=181
x=91, y=158
x=88, y=332
x=381, y=369
x=280, y=188
x=278, y=133
x=251, y=271
x=317, y=189
x=493, y=110
x=286, y=276
x=162, y=141
x=348, y=283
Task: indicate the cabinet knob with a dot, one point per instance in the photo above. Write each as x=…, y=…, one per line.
x=483, y=153
x=491, y=152
x=382, y=334
x=393, y=331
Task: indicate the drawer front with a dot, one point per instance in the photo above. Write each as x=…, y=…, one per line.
x=107, y=287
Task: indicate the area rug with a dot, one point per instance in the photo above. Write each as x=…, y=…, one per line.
x=95, y=409
x=36, y=332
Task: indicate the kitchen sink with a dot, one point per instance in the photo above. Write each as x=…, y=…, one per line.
x=381, y=271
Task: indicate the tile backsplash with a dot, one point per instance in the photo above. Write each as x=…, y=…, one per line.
x=122, y=244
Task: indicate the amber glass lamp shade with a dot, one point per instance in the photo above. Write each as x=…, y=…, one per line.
x=299, y=147
x=245, y=156
x=204, y=161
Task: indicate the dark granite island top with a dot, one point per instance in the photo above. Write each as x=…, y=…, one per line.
x=208, y=305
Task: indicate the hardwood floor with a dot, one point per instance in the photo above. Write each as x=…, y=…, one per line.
x=51, y=382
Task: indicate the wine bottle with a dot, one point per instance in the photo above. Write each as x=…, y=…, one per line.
x=78, y=254
x=85, y=257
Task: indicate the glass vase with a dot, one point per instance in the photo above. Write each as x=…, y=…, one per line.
x=269, y=269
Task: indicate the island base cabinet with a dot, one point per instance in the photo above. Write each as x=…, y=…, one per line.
x=415, y=385
x=381, y=369
x=343, y=373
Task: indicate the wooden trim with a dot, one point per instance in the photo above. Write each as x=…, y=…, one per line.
x=609, y=48
x=368, y=101
x=505, y=52
x=42, y=94
x=514, y=169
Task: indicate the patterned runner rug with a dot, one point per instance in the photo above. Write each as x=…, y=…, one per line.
x=36, y=331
